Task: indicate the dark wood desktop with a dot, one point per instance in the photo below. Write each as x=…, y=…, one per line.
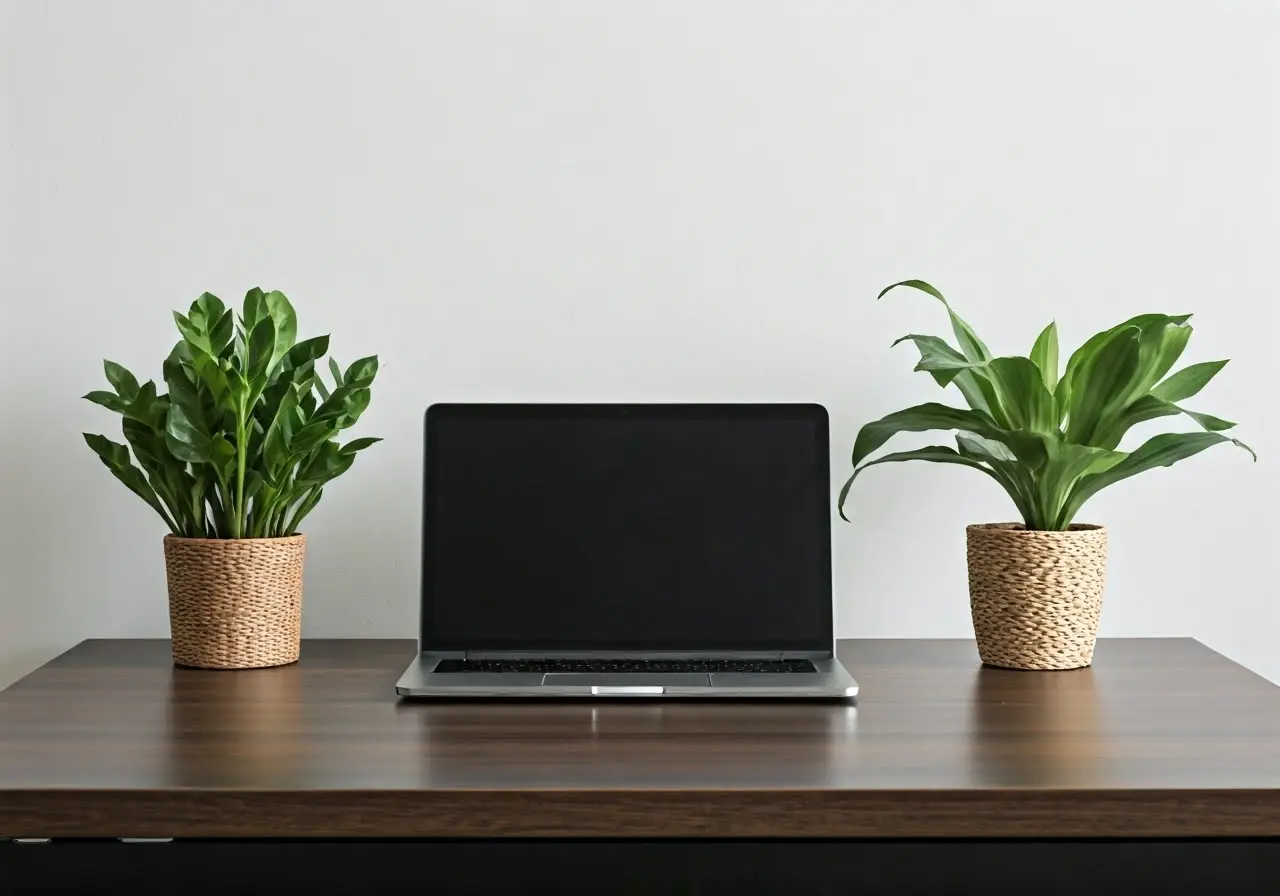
x=1163, y=745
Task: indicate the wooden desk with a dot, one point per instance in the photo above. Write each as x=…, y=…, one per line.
x=1160, y=739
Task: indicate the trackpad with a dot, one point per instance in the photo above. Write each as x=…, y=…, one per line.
x=628, y=679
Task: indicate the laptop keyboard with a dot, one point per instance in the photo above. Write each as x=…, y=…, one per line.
x=620, y=665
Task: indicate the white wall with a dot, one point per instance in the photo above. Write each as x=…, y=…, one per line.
x=11, y=634
x=640, y=201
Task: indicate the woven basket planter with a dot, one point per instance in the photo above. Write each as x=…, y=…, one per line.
x=1036, y=596
x=235, y=604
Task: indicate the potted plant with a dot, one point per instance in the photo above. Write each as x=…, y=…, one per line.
x=233, y=457
x=1051, y=439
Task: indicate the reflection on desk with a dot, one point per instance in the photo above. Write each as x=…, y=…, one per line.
x=634, y=743
x=1036, y=730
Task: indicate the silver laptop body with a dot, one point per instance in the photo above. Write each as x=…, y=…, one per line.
x=627, y=551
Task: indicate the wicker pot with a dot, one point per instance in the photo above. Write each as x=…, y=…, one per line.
x=1036, y=596
x=235, y=604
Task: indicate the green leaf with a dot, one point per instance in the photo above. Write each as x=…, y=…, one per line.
x=1208, y=422
x=257, y=435
x=197, y=515
x=222, y=454
x=1024, y=401
x=1009, y=388
x=307, y=401
x=347, y=401
x=322, y=389
x=336, y=371
x=191, y=333
x=222, y=333
x=237, y=389
x=311, y=436
x=1101, y=381
x=112, y=453
x=206, y=312
x=185, y=439
x=1158, y=451
x=254, y=309
x=116, y=459
x=236, y=351
x=286, y=324
x=353, y=407
x=921, y=418
x=280, y=432
x=304, y=354
x=1016, y=479
x=944, y=364
x=109, y=400
x=1065, y=465
x=1044, y=354
x=253, y=483
x=358, y=445
x=124, y=382
x=1188, y=381
x=970, y=344
x=307, y=505
x=1146, y=408
x=180, y=354
x=365, y=369
x=182, y=388
x=975, y=390
x=262, y=344
x=147, y=445
x=1150, y=408
x=979, y=448
x=1142, y=322
x=939, y=454
x=937, y=357
x=1161, y=346
x=146, y=406
x=197, y=409
x=209, y=373
x=329, y=463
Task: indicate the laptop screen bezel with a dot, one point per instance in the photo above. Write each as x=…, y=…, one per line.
x=820, y=641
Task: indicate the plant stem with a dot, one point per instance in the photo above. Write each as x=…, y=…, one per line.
x=304, y=507
x=217, y=513
x=241, y=458
x=197, y=507
x=280, y=507
x=274, y=515
x=224, y=508
x=166, y=498
x=173, y=527
x=262, y=512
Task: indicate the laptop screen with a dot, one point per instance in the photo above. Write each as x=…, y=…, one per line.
x=627, y=527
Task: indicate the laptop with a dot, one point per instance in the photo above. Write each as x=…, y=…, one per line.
x=627, y=550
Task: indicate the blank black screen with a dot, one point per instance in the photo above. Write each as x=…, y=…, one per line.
x=613, y=527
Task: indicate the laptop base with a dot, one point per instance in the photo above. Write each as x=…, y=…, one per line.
x=830, y=681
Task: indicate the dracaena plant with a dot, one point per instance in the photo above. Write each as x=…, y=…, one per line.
x=245, y=439
x=1051, y=438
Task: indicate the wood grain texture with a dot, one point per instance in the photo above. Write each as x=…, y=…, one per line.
x=1159, y=738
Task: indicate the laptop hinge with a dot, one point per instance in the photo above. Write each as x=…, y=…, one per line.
x=632, y=654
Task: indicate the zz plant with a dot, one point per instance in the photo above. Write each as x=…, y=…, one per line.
x=1051, y=438
x=245, y=439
